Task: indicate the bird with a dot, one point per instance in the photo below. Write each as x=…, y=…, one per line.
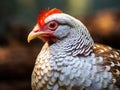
x=70, y=59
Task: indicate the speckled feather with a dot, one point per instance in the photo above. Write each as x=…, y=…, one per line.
x=95, y=72
x=75, y=62
x=111, y=58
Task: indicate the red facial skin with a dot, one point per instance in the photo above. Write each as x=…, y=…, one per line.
x=48, y=30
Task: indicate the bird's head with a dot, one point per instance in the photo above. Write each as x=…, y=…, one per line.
x=54, y=25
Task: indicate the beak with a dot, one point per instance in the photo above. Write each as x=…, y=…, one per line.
x=35, y=33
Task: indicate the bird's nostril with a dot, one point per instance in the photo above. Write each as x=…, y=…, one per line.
x=36, y=31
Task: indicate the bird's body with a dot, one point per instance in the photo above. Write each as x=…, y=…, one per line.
x=70, y=60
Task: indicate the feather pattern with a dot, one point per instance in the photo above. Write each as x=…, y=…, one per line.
x=89, y=72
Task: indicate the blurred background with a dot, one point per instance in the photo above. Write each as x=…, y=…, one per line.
x=18, y=17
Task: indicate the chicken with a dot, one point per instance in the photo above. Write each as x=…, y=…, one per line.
x=69, y=59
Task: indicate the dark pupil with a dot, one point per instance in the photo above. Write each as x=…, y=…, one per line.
x=52, y=25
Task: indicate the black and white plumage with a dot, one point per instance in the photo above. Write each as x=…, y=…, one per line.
x=70, y=60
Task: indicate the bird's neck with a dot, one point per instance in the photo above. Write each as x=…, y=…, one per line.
x=78, y=44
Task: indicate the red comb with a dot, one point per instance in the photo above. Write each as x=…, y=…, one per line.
x=45, y=13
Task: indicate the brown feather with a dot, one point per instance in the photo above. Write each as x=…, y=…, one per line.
x=111, y=58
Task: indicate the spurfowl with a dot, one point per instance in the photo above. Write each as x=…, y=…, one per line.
x=69, y=59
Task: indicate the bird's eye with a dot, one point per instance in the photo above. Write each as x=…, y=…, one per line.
x=52, y=25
